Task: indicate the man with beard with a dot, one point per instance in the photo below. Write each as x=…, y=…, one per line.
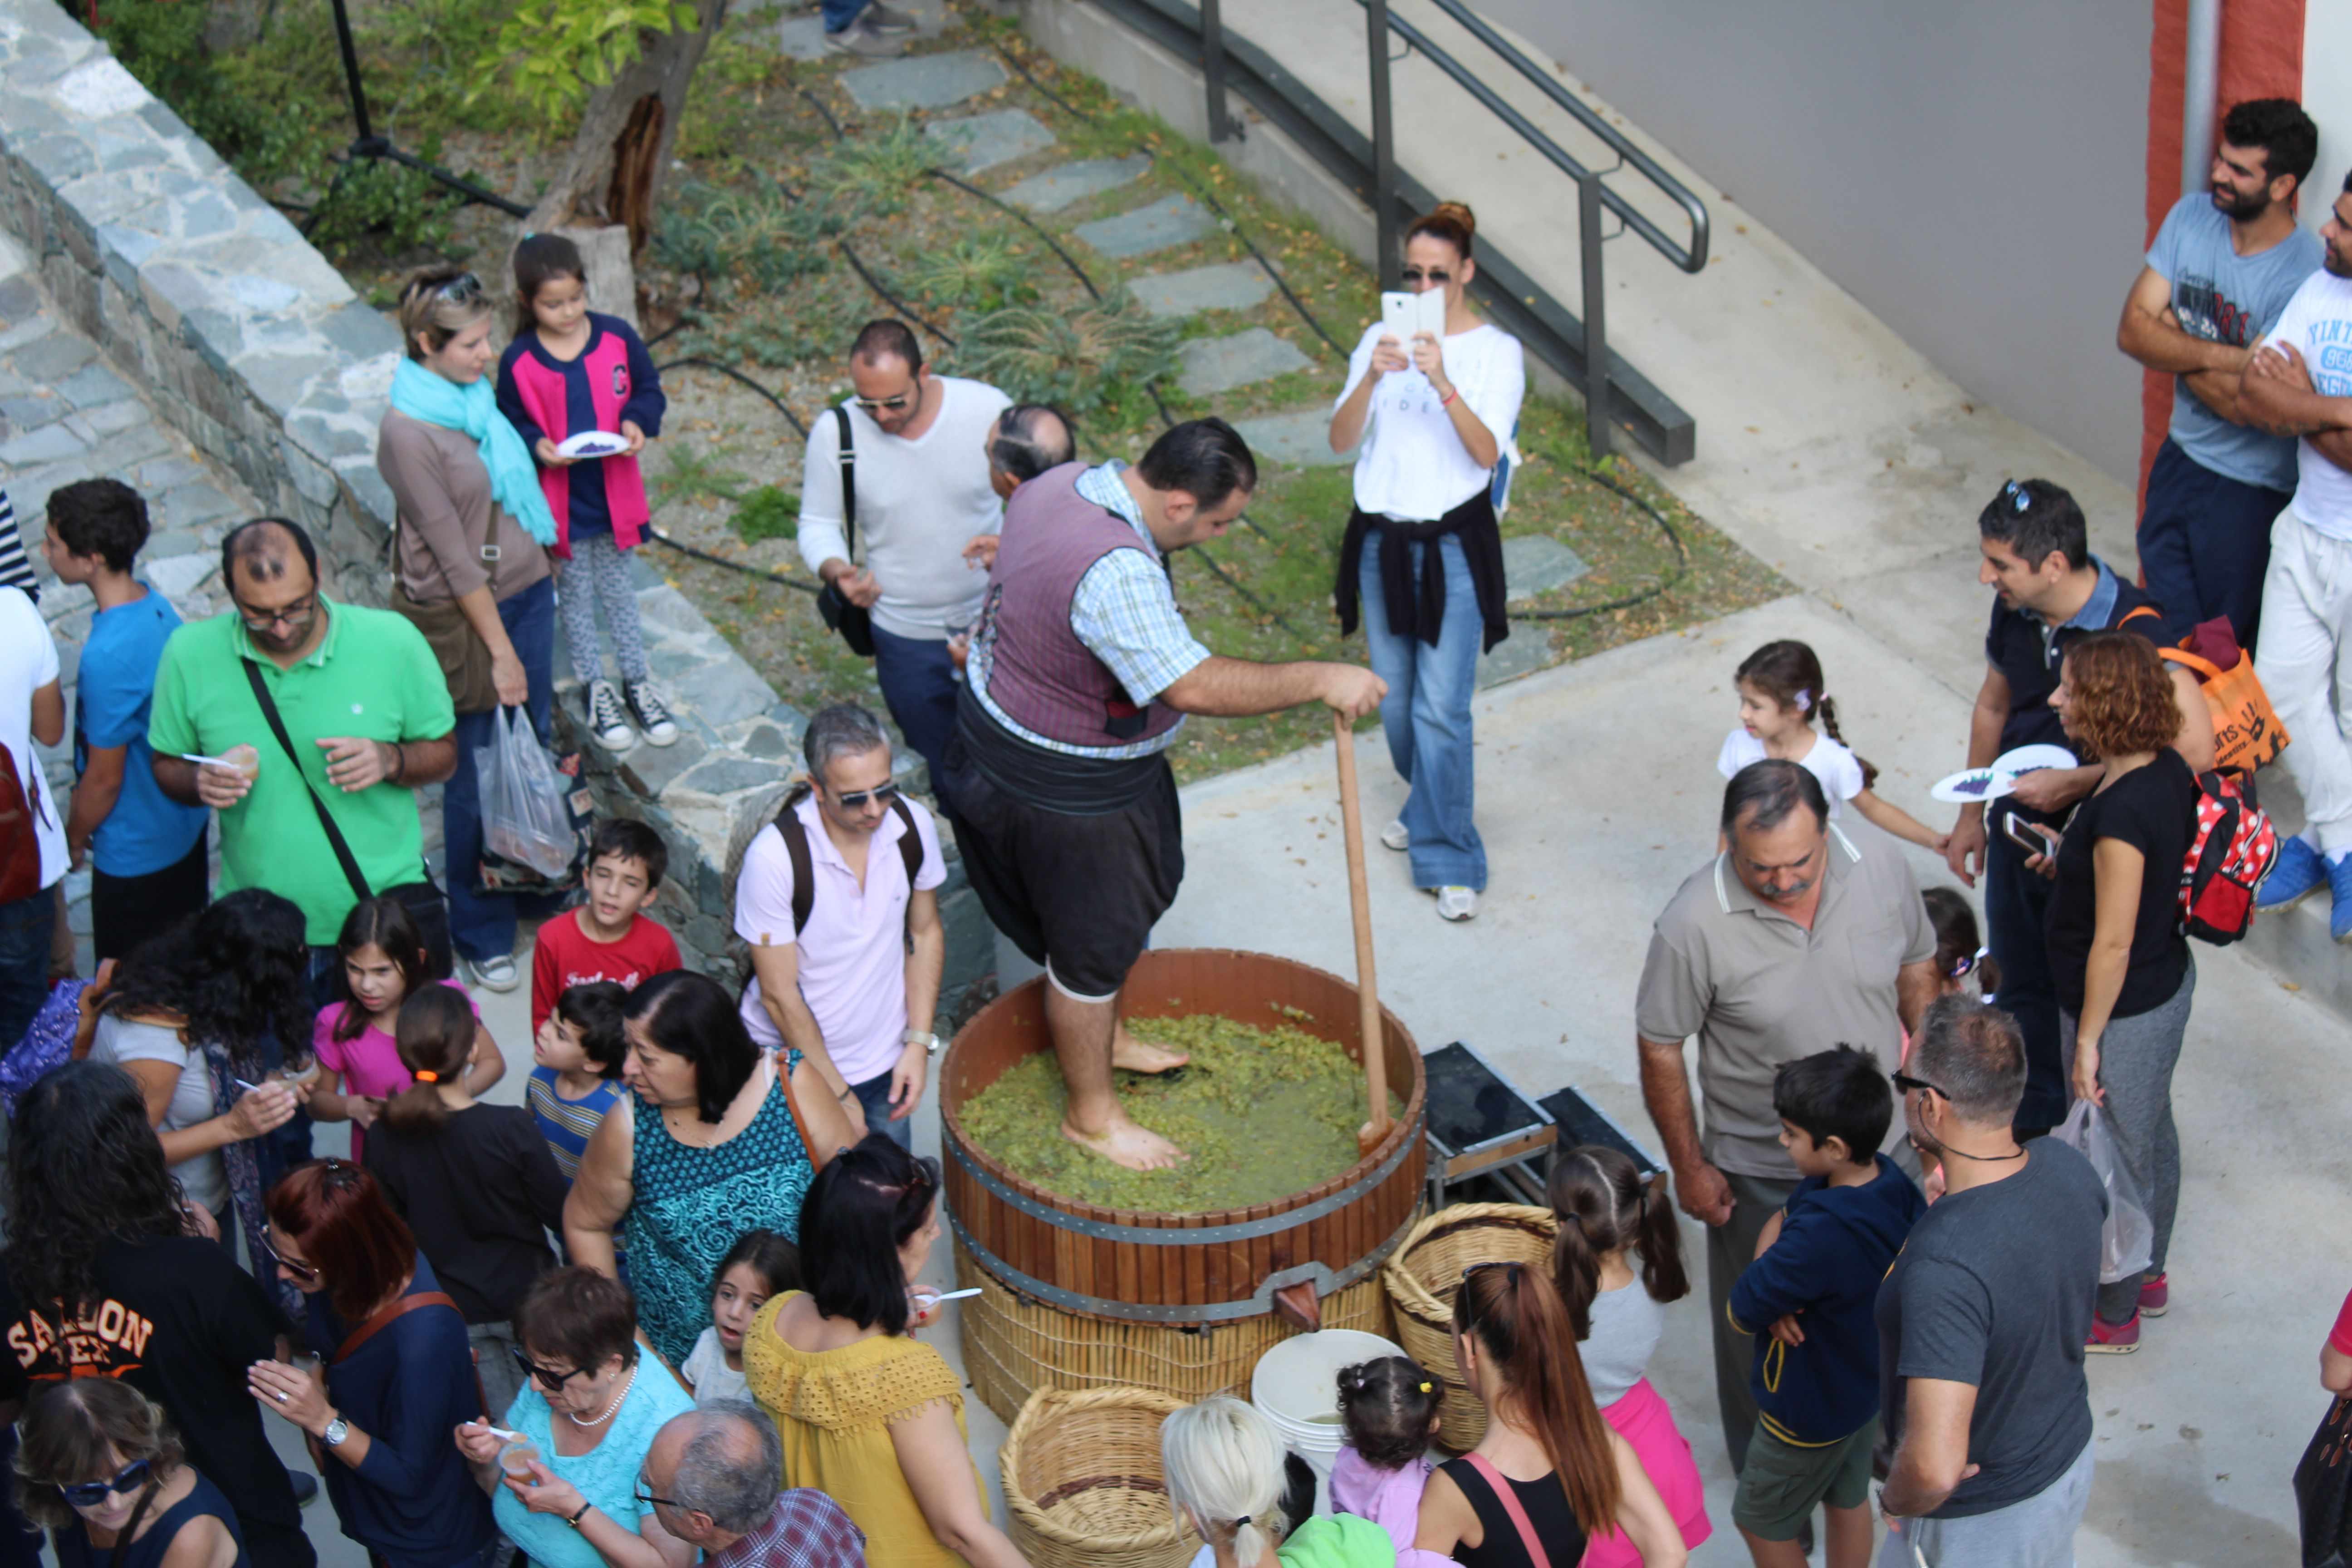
x=2299, y=382
x=1795, y=937
x=2223, y=267
x=364, y=705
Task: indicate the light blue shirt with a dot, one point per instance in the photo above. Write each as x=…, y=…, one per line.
x=147, y=831
x=606, y=1475
x=2223, y=296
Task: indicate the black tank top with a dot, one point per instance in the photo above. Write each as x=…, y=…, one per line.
x=1546, y=1506
x=74, y=1550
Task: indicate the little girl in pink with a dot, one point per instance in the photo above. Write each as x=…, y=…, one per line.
x=1388, y=1408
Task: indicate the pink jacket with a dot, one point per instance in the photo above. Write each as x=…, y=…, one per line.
x=611, y=386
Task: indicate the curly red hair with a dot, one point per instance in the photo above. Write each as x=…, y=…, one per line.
x=2119, y=697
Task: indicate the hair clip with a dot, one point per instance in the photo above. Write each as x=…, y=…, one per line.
x=1805, y=700
x=428, y=1078
x=1239, y=1522
x=1424, y=1388
x=1961, y=965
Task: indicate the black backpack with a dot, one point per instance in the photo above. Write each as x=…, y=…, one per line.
x=797, y=845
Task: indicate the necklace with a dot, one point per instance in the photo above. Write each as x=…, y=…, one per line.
x=616, y=1404
x=1990, y=1159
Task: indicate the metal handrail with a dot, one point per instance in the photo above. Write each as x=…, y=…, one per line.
x=1691, y=258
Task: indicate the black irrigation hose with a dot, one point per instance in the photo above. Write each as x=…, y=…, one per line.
x=1051, y=243
x=691, y=363
x=1663, y=585
x=660, y=538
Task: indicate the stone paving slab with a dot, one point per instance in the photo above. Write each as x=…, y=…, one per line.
x=923, y=82
x=1171, y=221
x=1301, y=438
x=1537, y=564
x=980, y=142
x=1058, y=187
x=1220, y=364
x=1522, y=653
x=1225, y=286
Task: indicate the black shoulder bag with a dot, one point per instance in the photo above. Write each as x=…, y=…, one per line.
x=853, y=622
x=421, y=899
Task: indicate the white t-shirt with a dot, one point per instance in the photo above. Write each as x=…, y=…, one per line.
x=29, y=659
x=1840, y=774
x=2318, y=323
x=919, y=504
x=1413, y=466
x=118, y=1040
x=706, y=1367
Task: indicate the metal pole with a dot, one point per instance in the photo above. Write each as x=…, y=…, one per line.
x=1213, y=69
x=1385, y=216
x=351, y=73
x=1596, y=317
x=2200, y=87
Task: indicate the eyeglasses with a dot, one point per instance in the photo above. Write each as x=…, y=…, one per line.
x=305, y=1272
x=90, y=1494
x=1434, y=274
x=2019, y=497
x=294, y=616
x=855, y=800
x=645, y=1494
x=531, y=1369
x=1905, y=1083
x=877, y=405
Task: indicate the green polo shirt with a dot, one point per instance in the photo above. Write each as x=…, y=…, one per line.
x=373, y=675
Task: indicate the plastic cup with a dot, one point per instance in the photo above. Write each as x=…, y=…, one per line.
x=516, y=1458
x=247, y=761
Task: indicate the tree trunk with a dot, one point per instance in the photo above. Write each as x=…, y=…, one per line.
x=615, y=170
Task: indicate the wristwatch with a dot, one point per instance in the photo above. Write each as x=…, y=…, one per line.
x=924, y=1038
x=337, y=1430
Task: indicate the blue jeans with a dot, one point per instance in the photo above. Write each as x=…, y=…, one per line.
x=482, y=925
x=839, y=13
x=1426, y=716
x=918, y=687
x=2205, y=543
x=25, y=927
x=873, y=1094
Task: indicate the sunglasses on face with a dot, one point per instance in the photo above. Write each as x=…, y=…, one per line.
x=91, y=1494
x=1903, y=1083
x=1434, y=274
x=855, y=800
x=877, y=404
x=300, y=1270
x=546, y=1379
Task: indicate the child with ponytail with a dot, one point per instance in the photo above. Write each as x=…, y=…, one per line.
x=1388, y=1409
x=1607, y=1214
x=1781, y=689
x=1549, y=1464
x=475, y=1182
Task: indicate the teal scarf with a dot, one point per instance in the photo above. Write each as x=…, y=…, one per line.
x=514, y=478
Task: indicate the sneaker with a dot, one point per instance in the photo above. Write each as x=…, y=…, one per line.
x=653, y=713
x=863, y=38
x=606, y=718
x=2299, y=870
x=1456, y=903
x=2113, y=1339
x=495, y=973
x=1395, y=837
x=887, y=18
x=2339, y=889
x=2155, y=1296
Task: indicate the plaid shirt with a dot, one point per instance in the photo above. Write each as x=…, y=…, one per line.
x=1125, y=612
x=805, y=1530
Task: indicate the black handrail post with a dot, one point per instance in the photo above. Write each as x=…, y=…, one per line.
x=1385, y=216
x=1596, y=316
x=1213, y=69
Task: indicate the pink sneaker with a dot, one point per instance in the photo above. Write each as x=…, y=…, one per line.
x=2155, y=1296
x=2113, y=1339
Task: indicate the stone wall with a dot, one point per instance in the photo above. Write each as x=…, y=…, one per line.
x=241, y=336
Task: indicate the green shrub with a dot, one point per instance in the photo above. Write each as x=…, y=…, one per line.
x=690, y=477
x=756, y=235
x=983, y=273
x=768, y=512
x=873, y=175
x=1079, y=361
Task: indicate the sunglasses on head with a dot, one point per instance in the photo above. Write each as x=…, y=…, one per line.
x=1434, y=274
x=2017, y=496
x=91, y=1494
x=460, y=289
x=855, y=799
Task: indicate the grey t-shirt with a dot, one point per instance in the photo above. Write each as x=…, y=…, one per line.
x=2223, y=296
x=1627, y=1324
x=1994, y=1288
x=118, y=1040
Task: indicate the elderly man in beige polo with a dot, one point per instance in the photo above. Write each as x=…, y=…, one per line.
x=1794, y=939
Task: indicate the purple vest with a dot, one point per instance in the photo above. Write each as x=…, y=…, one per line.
x=1040, y=674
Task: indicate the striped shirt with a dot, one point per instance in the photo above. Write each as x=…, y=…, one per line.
x=567, y=1125
x=16, y=571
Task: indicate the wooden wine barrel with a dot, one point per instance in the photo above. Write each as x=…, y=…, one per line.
x=1141, y=1266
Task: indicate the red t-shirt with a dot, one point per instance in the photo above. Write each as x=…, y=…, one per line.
x=2339, y=1338
x=566, y=957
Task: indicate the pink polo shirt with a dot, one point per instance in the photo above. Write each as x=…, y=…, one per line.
x=852, y=957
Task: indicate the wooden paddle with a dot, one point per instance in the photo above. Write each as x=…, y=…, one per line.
x=1367, y=999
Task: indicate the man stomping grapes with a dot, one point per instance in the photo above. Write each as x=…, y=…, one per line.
x=1080, y=675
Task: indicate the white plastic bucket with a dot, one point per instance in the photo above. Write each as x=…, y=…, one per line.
x=1296, y=1386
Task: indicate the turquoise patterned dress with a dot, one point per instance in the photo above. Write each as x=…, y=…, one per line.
x=689, y=1205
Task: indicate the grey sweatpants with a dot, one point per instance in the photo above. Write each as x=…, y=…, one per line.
x=2037, y=1532
x=598, y=574
x=1730, y=1247
x=2136, y=1055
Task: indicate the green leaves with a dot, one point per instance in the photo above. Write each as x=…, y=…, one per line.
x=1080, y=360
x=552, y=52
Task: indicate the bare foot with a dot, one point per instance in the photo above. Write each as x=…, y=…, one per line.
x=1132, y=1055
x=1125, y=1143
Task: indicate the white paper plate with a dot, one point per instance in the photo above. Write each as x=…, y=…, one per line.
x=593, y=444
x=1972, y=786
x=2032, y=759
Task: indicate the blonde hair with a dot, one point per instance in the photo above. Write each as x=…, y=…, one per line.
x=1224, y=1468
x=431, y=311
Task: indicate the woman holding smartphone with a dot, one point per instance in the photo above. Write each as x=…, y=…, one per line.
x=1434, y=414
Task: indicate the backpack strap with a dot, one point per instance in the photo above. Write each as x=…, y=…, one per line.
x=797, y=845
x=849, y=459
x=910, y=843
x=1501, y=1485
x=2134, y=613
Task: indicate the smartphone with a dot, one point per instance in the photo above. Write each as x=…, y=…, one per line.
x=1399, y=313
x=2027, y=836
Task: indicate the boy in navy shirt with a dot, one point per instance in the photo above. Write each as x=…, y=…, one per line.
x=1808, y=1298
x=146, y=850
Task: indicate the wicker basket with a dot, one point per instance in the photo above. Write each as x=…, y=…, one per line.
x=1427, y=1273
x=1083, y=1485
